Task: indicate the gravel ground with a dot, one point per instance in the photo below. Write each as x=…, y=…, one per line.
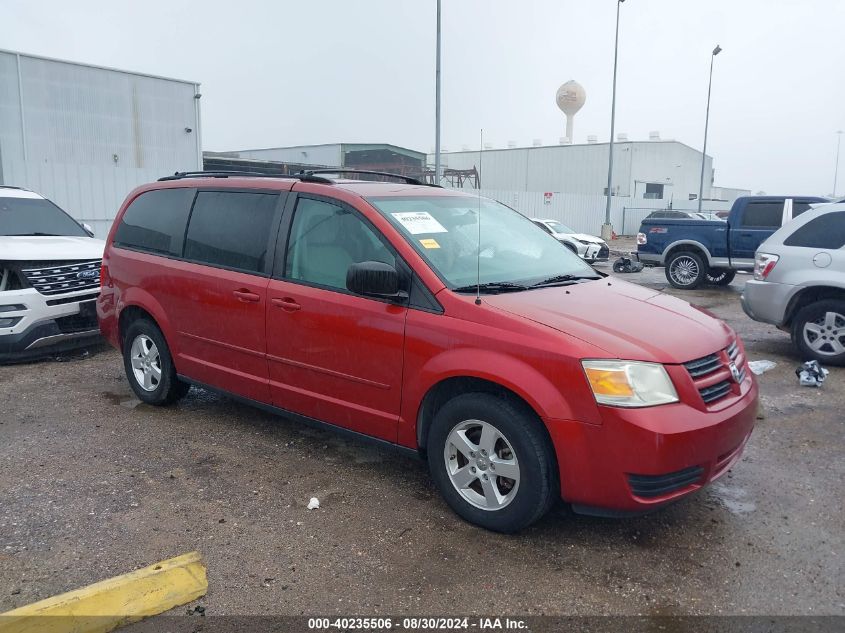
x=94, y=484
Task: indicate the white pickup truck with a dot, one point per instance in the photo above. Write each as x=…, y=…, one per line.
x=49, y=277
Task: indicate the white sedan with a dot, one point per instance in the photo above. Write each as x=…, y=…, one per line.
x=588, y=247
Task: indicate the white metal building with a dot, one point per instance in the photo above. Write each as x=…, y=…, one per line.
x=654, y=169
x=84, y=136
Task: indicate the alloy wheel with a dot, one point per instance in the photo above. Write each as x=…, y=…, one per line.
x=146, y=362
x=482, y=464
x=826, y=335
x=684, y=270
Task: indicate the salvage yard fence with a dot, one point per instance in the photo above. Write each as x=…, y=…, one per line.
x=585, y=213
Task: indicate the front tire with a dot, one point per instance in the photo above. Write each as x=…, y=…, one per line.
x=818, y=331
x=149, y=365
x=686, y=270
x=492, y=461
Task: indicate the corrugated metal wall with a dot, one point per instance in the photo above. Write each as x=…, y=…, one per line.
x=582, y=169
x=85, y=136
x=305, y=155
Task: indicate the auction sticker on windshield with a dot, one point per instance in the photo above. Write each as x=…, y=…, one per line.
x=418, y=222
x=430, y=243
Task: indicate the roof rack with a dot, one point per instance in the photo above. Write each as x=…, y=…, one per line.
x=180, y=175
x=310, y=175
x=408, y=180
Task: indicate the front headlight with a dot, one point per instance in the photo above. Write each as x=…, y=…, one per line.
x=622, y=383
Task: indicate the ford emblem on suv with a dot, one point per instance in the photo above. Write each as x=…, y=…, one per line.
x=88, y=274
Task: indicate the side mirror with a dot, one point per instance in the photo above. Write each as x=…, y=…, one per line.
x=374, y=279
x=87, y=228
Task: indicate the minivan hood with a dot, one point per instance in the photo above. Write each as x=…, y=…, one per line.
x=49, y=248
x=624, y=320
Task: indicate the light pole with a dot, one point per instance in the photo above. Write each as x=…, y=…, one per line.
x=836, y=169
x=607, y=227
x=716, y=51
x=437, y=105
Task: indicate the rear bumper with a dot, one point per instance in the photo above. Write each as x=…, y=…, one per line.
x=639, y=460
x=766, y=301
x=652, y=259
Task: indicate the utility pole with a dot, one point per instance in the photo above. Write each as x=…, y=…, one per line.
x=607, y=227
x=437, y=105
x=716, y=51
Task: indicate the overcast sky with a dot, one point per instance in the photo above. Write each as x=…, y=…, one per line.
x=278, y=73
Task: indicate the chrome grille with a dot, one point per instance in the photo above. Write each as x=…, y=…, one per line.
x=701, y=369
x=52, y=279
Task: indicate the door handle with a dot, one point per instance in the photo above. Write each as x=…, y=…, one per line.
x=246, y=296
x=288, y=303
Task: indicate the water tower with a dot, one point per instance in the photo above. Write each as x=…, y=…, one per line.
x=570, y=98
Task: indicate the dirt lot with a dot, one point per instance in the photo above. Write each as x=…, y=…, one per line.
x=94, y=484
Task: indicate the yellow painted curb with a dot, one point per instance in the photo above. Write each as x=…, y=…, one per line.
x=111, y=603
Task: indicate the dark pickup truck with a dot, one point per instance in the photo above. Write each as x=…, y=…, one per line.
x=711, y=251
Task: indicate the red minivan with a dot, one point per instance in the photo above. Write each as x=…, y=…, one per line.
x=431, y=320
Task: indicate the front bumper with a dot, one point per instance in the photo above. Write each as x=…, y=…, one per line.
x=46, y=324
x=766, y=301
x=638, y=460
x=594, y=252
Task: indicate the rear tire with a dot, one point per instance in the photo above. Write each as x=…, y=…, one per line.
x=492, y=461
x=149, y=365
x=686, y=270
x=818, y=331
x=720, y=276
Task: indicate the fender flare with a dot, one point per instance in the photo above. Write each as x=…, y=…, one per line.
x=698, y=245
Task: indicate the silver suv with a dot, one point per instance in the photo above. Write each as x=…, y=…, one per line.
x=799, y=283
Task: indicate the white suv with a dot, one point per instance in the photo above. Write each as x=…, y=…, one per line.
x=49, y=277
x=590, y=248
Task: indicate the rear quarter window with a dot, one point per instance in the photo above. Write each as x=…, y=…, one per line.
x=231, y=229
x=763, y=215
x=155, y=222
x=825, y=231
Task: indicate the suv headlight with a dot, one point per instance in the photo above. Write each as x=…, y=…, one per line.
x=622, y=383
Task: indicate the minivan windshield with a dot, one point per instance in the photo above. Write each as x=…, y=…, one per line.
x=35, y=216
x=514, y=253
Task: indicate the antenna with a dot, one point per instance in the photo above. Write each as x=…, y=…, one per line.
x=478, y=253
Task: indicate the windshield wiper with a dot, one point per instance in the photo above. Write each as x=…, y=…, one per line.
x=35, y=234
x=562, y=280
x=492, y=287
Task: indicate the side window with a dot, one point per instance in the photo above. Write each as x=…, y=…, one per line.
x=798, y=207
x=761, y=215
x=825, y=231
x=325, y=240
x=231, y=229
x=155, y=221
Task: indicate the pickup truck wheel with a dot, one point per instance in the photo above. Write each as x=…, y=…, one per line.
x=686, y=270
x=149, y=366
x=720, y=276
x=492, y=462
x=818, y=331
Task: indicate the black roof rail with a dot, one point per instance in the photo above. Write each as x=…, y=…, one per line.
x=408, y=180
x=180, y=175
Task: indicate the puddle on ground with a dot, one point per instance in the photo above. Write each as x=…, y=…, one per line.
x=122, y=399
x=733, y=498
